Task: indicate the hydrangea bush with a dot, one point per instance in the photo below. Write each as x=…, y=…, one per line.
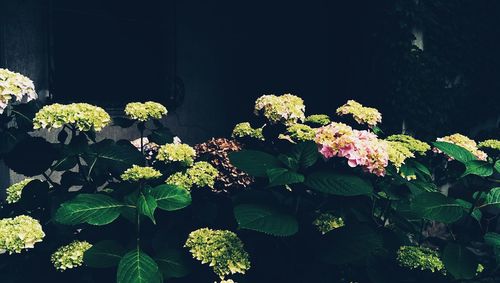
x=290, y=198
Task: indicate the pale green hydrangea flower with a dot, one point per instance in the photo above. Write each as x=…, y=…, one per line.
x=398, y=152
x=244, y=129
x=138, y=173
x=301, y=132
x=493, y=144
x=70, y=256
x=419, y=258
x=360, y=113
x=15, y=191
x=411, y=143
x=145, y=111
x=221, y=249
x=327, y=222
x=18, y=233
x=15, y=88
x=202, y=174
x=286, y=108
x=465, y=142
x=83, y=116
x=318, y=119
x=176, y=152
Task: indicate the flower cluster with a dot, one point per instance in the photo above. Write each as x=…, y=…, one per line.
x=419, y=258
x=176, y=152
x=221, y=249
x=360, y=113
x=83, y=116
x=414, y=145
x=286, y=108
x=398, y=153
x=15, y=191
x=492, y=144
x=318, y=119
x=464, y=142
x=216, y=152
x=18, y=233
x=301, y=132
x=361, y=148
x=138, y=173
x=70, y=256
x=145, y=111
x=15, y=88
x=244, y=129
x=327, y=222
x=202, y=174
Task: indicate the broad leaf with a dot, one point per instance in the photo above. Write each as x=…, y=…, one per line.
x=460, y=262
x=492, y=239
x=173, y=263
x=170, y=197
x=493, y=198
x=110, y=156
x=306, y=153
x=283, y=176
x=253, y=162
x=338, y=184
x=479, y=168
x=95, y=209
x=454, y=151
x=265, y=219
x=146, y=205
x=476, y=213
x=435, y=206
x=104, y=254
x=123, y=122
x=497, y=166
x=31, y=157
x=137, y=267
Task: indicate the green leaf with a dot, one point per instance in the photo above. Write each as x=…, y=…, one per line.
x=253, y=162
x=146, y=205
x=476, y=213
x=493, y=198
x=123, y=122
x=350, y=243
x=104, y=254
x=338, y=184
x=161, y=136
x=265, y=219
x=282, y=176
x=497, y=166
x=306, y=153
x=94, y=209
x=456, y=152
x=435, y=206
x=459, y=261
x=290, y=162
x=110, y=156
x=170, y=197
x=31, y=156
x=137, y=267
x=492, y=239
x=479, y=168
x=419, y=166
x=173, y=263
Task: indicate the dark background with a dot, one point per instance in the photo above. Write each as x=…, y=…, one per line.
x=209, y=60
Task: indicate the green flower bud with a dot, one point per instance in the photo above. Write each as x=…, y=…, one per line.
x=70, y=256
x=176, y=152
x=83, y=116
x=244, y=129
x=18, y=233
x=145, y=111
x=411, y=143
x=493, y=144
x=202, y=174
x=301, y=132
x=398, y=153
x=15, y=191
x=221, y=249
x=419, y=258
x=318, y=119
x=138, y=173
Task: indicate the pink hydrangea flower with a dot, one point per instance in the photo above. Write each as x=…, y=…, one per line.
x=360, y=148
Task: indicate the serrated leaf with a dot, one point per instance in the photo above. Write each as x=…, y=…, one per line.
x=137, y=267
x=436, y=206
x=306, y=153
x=419, y=166
x=283, y=176
x=265, y=220
x=338, y=184
x=146, y=205
x=497, y=166
x=110, y=156
x=173, y=263
x=460, y=262
x=253, y=162
x=456, y=152
x=170, y=197
x=479, y=168
x=289, y=162
x=94, y=209
x=493, y=198
x=104, y=254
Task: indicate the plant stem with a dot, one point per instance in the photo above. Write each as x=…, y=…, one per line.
x=138, y=226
